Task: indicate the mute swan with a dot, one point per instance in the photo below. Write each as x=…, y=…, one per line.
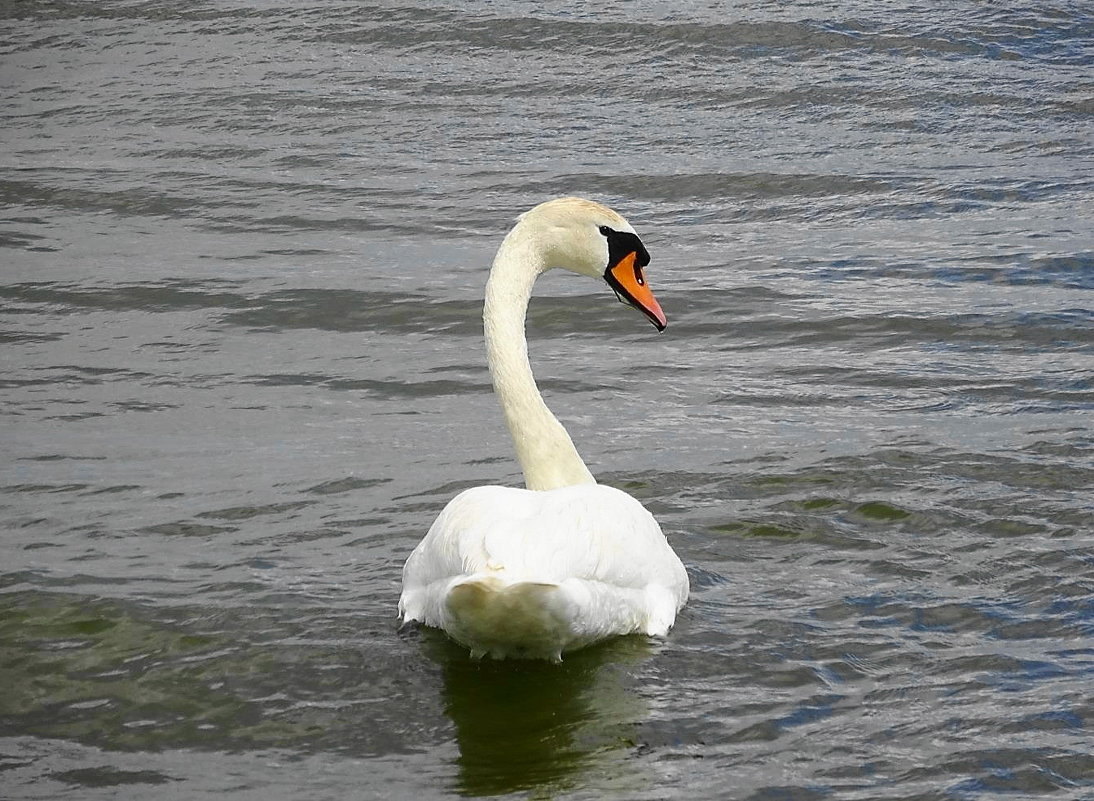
x=532, y=573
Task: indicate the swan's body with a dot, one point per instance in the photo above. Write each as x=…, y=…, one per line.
x=539, y=571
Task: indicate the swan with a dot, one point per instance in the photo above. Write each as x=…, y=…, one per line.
x=564, y=562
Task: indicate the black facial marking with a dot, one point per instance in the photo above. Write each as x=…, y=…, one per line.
x=620, y=243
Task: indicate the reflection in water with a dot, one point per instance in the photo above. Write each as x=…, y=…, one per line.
x=523, y=724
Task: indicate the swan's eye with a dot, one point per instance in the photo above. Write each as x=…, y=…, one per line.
x=606, y=231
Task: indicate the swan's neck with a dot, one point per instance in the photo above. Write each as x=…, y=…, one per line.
x=546, y=452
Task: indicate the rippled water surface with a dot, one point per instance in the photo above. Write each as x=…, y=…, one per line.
x=244, y=246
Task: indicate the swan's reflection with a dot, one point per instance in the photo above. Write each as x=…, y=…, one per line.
x=533, y=724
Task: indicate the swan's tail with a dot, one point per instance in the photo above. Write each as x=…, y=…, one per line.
x=521, y=619
x=542, y=619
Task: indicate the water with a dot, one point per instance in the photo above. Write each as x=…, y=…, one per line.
x=244, y=251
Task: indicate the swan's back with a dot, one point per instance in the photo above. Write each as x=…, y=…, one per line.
x=515, y=572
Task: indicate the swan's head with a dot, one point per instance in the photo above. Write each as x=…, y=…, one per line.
x=590, y=239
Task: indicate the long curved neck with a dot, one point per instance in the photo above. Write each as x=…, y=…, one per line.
x=546, y=452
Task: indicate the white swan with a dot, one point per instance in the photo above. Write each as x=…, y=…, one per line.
x=539, y=571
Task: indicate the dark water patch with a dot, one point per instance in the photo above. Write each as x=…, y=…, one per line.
x=107, y=776
x=788, y=40
x=350, y=310
x=936, y=387
x=881, y=512
x=385, y=390
x=47, y=488
x=1004, y=192
x=185, y=528
x=68, y=374
x=142, y=406
x=238, y=513
x=27, y=338
x=701, y=579
x=169, y=295
x=451, y=29
x=996, y=771
x=754, y=187
x=420, y=389
x=741, y=328
x=1017, y=473
x=24, y=239
x=57, y=457
x=347, y=484
x=128, y=202
x=746, y=529
x=1016, y=268
x=116, y=488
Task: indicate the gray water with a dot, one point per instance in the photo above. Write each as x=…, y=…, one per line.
x=244, y=246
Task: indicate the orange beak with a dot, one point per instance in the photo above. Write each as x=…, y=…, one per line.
x=626, y=278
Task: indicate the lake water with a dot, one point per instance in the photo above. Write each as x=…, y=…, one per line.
x=244, y=247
